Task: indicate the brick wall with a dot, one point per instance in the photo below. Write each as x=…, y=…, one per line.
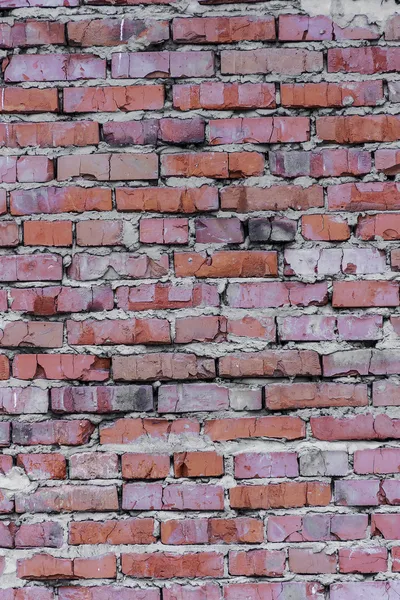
x=200, y=336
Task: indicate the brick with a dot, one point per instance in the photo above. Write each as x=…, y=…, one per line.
x=329, y=261
x=126, y=531
x=168, y=200
x=145, y=466
x=223, y=30
x=198, y=464
x=269, y=563
x=218, y=95
x=250, y=465
x=31, y=33
x=359, y=427
x=44, y=566
x=270, y=363
x=112, y=99
x=108, y=167
x=290, y=428
x=317, y=527
x=272, y=229
x=69, y=499
x=202, y=531
x=166, y=296
x=366, y=60
x=323, y=163
x=281, y=396
x=165, y=367
x=363, y=361
x=384, y=393
x=301, y=28
x=353, y=294
x=115, y=331
x=29, y=100
x=127, y=430
x=114, y=32
x=252, y=591
x=113, y=592
x=166, y=565
x=192, y=397
x=267, y=130
x=278, y=495
x=89, y=267
x=49, y=135
x=62, y=433
x=59, y=299
x=249, y=199
x=212, y=164
x=53, y=67
x=162, y=64
x=270, y=60
x=89, y=465
x=380, y=461
x=357, y=129
x=53, y=200
x=340, y=591
x=43, y=466
x=102, y=567
x=164, y=231
x=385, y=525
x=323, y=463
x=9, y=234
x=226, y=264
x=331, y=94
x=61, y=366
x=308, y=562
x=47, y=233
x=219, y=231
x=101, y=399
x=151, y=131
x=47, y=267
x=100, y=233
x=47, y=534
x=276, y=294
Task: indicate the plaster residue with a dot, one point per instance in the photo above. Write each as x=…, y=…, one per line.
x=344, y=11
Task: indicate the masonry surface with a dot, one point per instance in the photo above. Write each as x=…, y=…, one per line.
x=199, y=297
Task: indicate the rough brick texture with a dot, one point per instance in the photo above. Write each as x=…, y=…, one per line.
x=200, y=327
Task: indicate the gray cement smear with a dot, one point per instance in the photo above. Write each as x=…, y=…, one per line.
x=344, y=11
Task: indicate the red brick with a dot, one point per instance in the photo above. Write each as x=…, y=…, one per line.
x=53, y=67
x=270, y=60
x=97, y=567
x=283, y=396
x=166, y=565
x=359, y=427
x=200, y=329
x=264, y=563
x=226, y=264
x=100, y=233
x=278, y=495
x=354, y=93
x=108, y=167
x=128, y=430
x=31, y=33
x=47, y=233
x=164, y=231
x=118, y=331
x=69, y=499
x=266, y=130
x=145, y=466
x=44, y=566
x=43, y=466
x=204, y=531
x=160, y=296
x=29, y=100
x=61, y=366
x=167, y=366
x=219, y=165
x=248, y=199
x=290, y=428
x=223, y=30
x=62, y=433
x=56, y=299
x=367, y=60
x=126, y=531
x=359, y=129
x=112, y=99
x=114, y=32
x=162, y=64
x=53, y=200
x=353, y=294
x=218, y=95
x=88, y=267
x=48, y=135
x=198, y=464
x=168, y=200
x=151, y=131
x=327, y=228
x=309, y=562
x=323, y=163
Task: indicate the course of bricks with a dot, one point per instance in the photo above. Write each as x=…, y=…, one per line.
x=200, y=325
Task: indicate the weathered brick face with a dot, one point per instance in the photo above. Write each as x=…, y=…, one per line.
x=199, y=268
